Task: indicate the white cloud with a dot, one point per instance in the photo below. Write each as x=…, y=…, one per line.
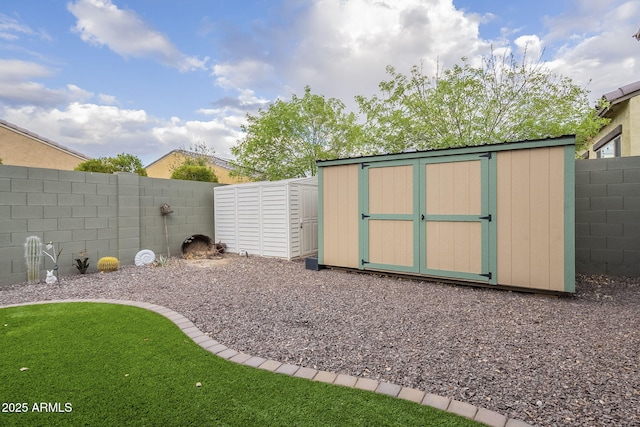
x=599, y=46
x=341, y=48
x=242, y=73
x=17, y=70
x=531, y=46
x=102, y=23
x=17, y=85
x=107, y=99
x=11, y=29
x=216, y=133
x=99, y=130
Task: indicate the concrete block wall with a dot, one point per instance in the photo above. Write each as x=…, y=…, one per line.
x=192, y=206
x=608, y=216
x=106, y=215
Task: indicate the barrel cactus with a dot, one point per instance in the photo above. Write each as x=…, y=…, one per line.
x=33, y=257
x=108, y=263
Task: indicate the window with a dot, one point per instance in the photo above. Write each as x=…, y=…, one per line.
x=610, y=149
x=609, y=146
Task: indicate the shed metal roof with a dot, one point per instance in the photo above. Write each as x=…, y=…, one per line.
x=483, y=148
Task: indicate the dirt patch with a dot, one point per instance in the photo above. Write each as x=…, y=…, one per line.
x=207, y=262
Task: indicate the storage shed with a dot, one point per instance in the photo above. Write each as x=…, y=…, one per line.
x=269, y=218
x=500, y=214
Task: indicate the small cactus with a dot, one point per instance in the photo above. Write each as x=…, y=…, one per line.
x=33, y=257
x=108, y=263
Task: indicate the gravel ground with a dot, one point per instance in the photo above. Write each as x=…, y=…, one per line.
x=569, y=361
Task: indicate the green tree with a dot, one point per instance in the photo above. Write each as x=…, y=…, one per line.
x=501, y=100
x=120, y=163
x=194, y=173
x=196, y=165
x=286, y=140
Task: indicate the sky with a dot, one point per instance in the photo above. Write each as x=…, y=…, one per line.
x=145, y=77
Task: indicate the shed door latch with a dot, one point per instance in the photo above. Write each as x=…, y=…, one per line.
x=365, y=216
x=488, y=217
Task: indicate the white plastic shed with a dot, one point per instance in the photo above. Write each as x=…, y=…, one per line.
x=268, y=218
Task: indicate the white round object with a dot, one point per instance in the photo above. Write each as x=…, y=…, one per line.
x=145, y=257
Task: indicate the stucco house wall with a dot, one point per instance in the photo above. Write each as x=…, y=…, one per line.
x=164, y=166
x=19, y=147
x=624, y=111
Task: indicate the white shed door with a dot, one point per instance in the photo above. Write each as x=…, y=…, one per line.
x=308, y=220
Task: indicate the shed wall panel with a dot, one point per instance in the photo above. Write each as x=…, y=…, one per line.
x=452, y=188
x=307, y=230
x=530, y=218
x=225, y=218
x=391, y=190
x=540, y=224
x=557, y=232
x=263, y=218
x=453, y=246
x=340, y=213
x=391, y=242
x=293, y=224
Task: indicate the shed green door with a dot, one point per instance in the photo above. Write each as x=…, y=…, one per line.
x=389, y=226
x=455, y=217
x=427, y=216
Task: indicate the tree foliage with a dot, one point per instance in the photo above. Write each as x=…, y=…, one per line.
x=192, y=172
x=501, y=100
x=286, y=140
x=120, y=163
x=196, y=165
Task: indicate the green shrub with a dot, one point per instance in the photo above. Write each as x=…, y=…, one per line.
x=191, y=172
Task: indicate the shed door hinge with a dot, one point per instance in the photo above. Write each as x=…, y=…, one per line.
x=488, y=217
x=364, y=165
x=487, y=155
x=363, y=262
x=488, y=275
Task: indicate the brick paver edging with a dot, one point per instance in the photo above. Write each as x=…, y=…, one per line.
x=490, y=418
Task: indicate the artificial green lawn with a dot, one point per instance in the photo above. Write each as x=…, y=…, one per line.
x=103, y=364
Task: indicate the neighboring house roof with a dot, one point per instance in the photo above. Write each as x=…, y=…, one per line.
x=42, y=140
x=621, y=94
x=217, y=161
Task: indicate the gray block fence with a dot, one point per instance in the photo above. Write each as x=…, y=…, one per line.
x=104, y=214
x=608, y=216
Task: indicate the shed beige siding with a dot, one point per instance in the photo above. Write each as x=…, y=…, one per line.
x=340, y=215
x=453, y=188
x=530, y=218
x=454, y=246
x=391, y=190
x=391, y=242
